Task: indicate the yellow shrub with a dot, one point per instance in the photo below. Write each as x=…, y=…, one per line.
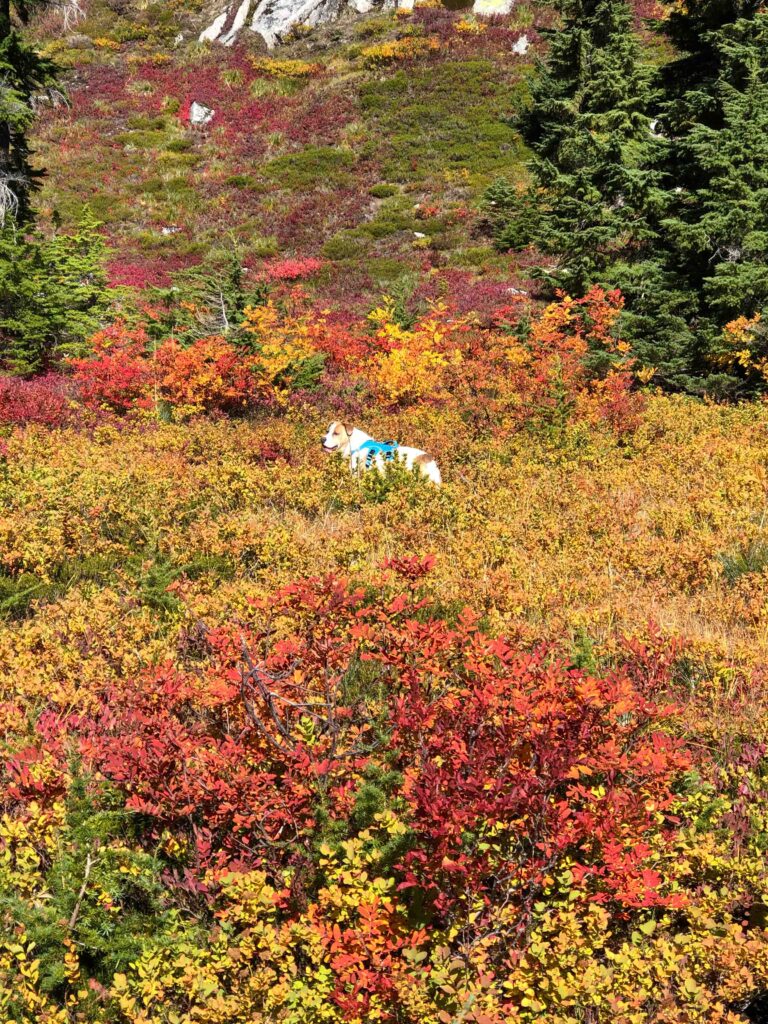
x=282, y=345
x=398, y=50
x=284, y=68
x=413, y=364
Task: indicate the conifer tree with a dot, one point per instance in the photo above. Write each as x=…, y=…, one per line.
x=715, y=114
x=23, y=73
x=215, y=295
x=52, y=287
x=52, y=295
x=597, y=199
x=589, y=129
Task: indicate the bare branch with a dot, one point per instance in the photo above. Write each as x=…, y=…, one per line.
x=9, y=200
x=70, y=11
x=81, y=894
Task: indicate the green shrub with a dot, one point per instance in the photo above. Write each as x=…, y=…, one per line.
x=143, y=139
x=310, y=167
x=372, y=28
x=264, y=246
x=346, y=245
x=245, y=181
x=179, y=145
x=378, y=485
x=442, y=117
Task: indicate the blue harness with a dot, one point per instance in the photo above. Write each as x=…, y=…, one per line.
x=386, y=449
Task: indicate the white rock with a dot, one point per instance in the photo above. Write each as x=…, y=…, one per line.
x=199, y=114
x=273, y=19
x=213, y=31
x=241, y=17
x=489, y=7
x=179, y=39
x=521, y=45
x=419, y=234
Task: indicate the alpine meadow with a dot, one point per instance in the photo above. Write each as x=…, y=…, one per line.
x=383, y=512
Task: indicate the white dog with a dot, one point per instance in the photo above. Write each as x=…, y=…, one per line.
x=365, y=453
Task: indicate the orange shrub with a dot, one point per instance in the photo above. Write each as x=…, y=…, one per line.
x=209, y=374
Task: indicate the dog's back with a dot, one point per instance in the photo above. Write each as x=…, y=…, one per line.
x=427, y=465
x=417, y=459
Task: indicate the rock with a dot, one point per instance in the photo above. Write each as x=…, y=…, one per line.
x=241, y=16
x=200, y=115
x=213, y=31
x=273, y=19
x=521, y=45
x=489, y=7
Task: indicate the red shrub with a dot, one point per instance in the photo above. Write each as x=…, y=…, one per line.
x=144, y=272
x=524, y=763
x=292, y=269
x=44, y=400
x=210, y=374
x=511, y=765
x=187, y=762
x=118, y=376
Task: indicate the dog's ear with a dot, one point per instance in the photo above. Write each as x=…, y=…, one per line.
x=347, y=430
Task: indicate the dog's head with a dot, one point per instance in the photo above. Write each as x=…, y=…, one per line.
x=337, y=438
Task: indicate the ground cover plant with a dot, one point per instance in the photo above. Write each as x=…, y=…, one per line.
x=290, y=165
x=267, y=755
x=280, y=743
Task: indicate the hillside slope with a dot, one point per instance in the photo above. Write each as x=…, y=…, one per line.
x=282, y=743
x=365, y=143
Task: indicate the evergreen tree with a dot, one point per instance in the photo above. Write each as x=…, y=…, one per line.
x=23, y=73
x=715, y=233
x=52, y=288
x=589, y=129
x=214, y=297
x=597, y=199
x=52, y=295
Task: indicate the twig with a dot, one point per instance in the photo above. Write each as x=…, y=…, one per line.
x=83, y=887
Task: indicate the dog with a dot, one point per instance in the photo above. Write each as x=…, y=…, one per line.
x=365, y=453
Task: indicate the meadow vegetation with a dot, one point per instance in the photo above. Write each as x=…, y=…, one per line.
x=280, y=743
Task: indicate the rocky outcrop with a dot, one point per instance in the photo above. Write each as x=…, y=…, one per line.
x=273, y=19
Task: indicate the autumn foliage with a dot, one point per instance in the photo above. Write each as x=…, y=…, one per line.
x=363, y=793
x=290, y=790
x=282, y=744
x=568, y=363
